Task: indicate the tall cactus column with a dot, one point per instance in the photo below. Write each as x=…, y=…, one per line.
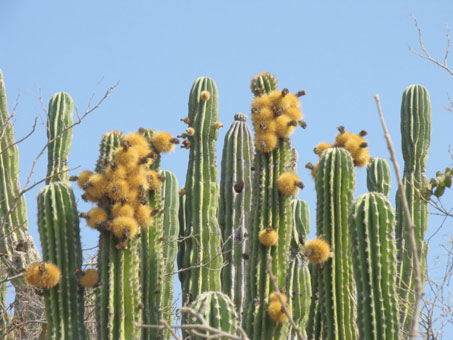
x=235, y=208
x=415, y=140
x=58, y=224
x=374, y=257
x=333, y=315
x=15, y=241
x=202, y=249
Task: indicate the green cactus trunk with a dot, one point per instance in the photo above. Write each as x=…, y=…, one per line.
x=58, y=224
x=415, y=140
x=378, y=177
x=218, y=310
x=202, y=251
x=235, y=208
x=333, y=312
x=299, y=283
x=15, y=241
x=119, y=296
x=5, y=317
x=170, y=247
x=372, y=224
x=270, y=208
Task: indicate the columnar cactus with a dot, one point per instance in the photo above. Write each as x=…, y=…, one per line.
x=299, y=282
x=58, y=224
x=202, y=250
x=415, y=140
x=270, y=209
x=217, y=310
x=378, y=177
x=15, y=241
x=333, y=312
x=118, y=297
x=372, y=224
x=235, y=208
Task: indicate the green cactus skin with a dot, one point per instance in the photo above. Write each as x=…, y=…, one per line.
x=235, y=207
x=415, y=140
x=299, y=283
x=171, y=233
x=270, y=208
x=14, y=223
x=182, y=232
x=334, y=315
x=203, y=250
x=218, y=310
x=378, y=177
x=58, y=225
x=372, y=224
x=118, y=297
x=5, y=317
x=264, y=82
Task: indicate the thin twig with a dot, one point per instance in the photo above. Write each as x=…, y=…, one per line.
x=410, y=230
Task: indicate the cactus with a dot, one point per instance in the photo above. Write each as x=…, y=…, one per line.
x=119, y=296
x=202, y=251
x=235, y=207
x=372, y=224
x=378, y=176
x=299, y=284
x=15, y=241
x=58, y=225
x=270, y=209
x=332, y=315
x=217, y=310
x=415, y=140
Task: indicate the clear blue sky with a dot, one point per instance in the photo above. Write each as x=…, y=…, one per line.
x=341, y=54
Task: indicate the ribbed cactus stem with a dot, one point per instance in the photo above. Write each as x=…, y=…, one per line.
x=15, y=241
x=202, y=251
x=270, y=209
x=58, y=224
x=378, y=177
x=218, y=310
x=372, y=224
x=59, y=134
x=299, y=281
x=335, y=182
x=415, y=141
x=118, y=297
x=5, y=317
x=264, y=82
x=235, y=208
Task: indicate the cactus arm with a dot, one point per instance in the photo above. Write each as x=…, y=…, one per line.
x=378, y=177
x=235, y=205
x=203, y=250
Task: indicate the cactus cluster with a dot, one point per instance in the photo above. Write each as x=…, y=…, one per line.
x=244, y=259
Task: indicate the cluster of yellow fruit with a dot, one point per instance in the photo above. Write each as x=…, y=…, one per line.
x=275, y=115
x=275, y=308
x=121, y=190
x=42, y=275
x=353, y=142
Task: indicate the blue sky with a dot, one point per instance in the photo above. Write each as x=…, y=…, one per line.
x=341, y=54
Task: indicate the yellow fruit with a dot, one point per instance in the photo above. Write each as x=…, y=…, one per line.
x=262, y=115
x=118, y=190
x=289, y=101
x=95, y=216
x=43, y=275
x=282, y=318
x=262, y=101
x=127, y=157
x=268, y=237
x=143, y=215
x=321, y=147
x=284, y=126
x=266, y=142
x=265, y=127
x=135, y=139
x=275, y=96
x=288, y=183
x=314, y=169
x=343, y=137
x=293, y=113
x=84, y=176
x=119, y=210
x=274, y=310
x=163, y=141
x=115, y=171
x=274, y=297
x=89, y=278
x=205, y=95
x=95, y=187
x=124, y=228
x=153, y=179
x=317, y=251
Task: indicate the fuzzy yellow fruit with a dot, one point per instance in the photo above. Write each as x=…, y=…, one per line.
x=321, y=147
x=89, y=278
x=153, y=179
x=164, y=141
x=284, y=126
x=127, y=157
x=43, y=275
x=83, y=178
x=118, y=190
x=293, y=113
x=95, y=187
x=95, y=216
x=274, y=310
x=317, y=251
x=268, y=237
x=120, y=209
x=143, y=215
x=134, y=139
x=266, y=142
x=274, y=297
x=289, y=101
x=288, y=183
x=262, y=101
x=124, y=228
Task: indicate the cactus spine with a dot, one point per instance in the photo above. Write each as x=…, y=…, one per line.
x=333, y=316
x=58, y=225
x=14, y=236
x=119, y=296
x=372, y=224
x=270, y=208
x=299, y=283
x=235, y=207
x=378, y=177
x=202, y=250
x=415, y=140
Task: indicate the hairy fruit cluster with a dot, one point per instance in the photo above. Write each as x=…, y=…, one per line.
x=42, y=275
x=275, y=115
x=275, y=308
